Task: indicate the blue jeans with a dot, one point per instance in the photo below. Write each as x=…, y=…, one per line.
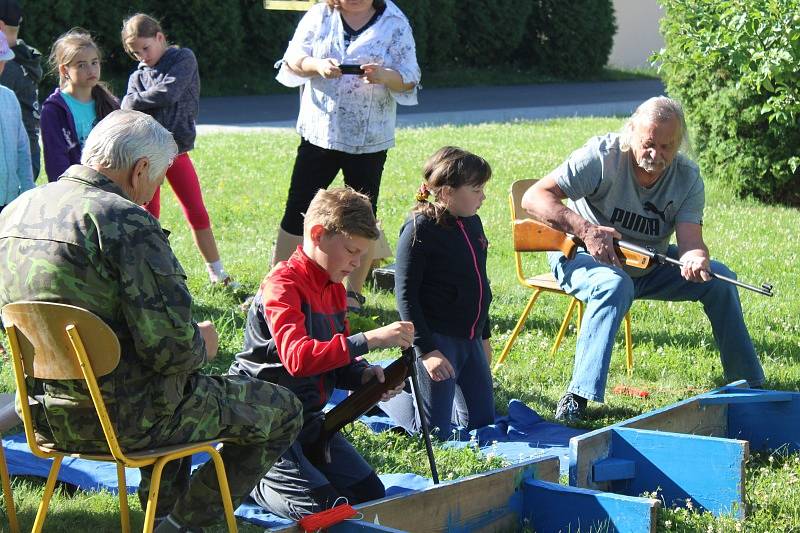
x=608, y=292
x=466, y=401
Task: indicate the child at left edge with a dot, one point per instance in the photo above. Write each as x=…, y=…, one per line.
x=297, y=335
x=16, y=173
x=166, y=85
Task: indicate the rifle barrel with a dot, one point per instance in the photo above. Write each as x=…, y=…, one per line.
x=426, y=430
x=765, y=289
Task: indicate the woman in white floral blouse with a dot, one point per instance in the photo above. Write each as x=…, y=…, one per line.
x=356, y=60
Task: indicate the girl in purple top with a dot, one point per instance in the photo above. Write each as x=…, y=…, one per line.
x=80, y=101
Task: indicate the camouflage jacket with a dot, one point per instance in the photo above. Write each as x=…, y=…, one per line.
x=92, y=247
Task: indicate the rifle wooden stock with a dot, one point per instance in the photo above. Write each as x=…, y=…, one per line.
x=533, y=236
x=358, y=403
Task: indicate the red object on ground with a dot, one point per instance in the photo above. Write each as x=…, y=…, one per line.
x=630, y=391
x=327, y=518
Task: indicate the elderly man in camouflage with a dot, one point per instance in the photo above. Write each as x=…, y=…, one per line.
x=84, y=240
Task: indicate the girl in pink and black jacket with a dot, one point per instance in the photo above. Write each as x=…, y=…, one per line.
x=442, y=287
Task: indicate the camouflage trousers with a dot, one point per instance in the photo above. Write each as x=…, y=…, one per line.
x=259, y=420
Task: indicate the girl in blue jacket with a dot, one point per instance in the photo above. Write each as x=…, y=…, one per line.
x=441, y=286
x=79, y=102
x=16, y=174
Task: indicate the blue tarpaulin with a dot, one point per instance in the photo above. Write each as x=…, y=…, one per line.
x=520, y=435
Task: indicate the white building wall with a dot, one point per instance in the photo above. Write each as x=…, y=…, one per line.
x=637, y=33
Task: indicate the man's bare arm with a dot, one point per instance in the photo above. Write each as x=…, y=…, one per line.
x=544, y=202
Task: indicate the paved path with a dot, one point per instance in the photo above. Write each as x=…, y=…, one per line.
x=465, y=105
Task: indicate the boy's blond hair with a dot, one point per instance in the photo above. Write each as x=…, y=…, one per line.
x=342, y=210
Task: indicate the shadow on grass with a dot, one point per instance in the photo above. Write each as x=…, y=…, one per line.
x=785, y=350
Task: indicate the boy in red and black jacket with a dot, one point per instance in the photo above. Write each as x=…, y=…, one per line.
x=297, y=335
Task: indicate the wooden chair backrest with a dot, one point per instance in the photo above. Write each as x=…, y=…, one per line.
x=46, y=348
x=529, y=234
x=518, y=189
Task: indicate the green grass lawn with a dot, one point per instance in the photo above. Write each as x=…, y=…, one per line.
x=245, y=180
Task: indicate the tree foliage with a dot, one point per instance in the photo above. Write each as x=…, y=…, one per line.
x=734, y=65
x=238, y=41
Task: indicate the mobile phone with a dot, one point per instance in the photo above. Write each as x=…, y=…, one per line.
x=351, y=69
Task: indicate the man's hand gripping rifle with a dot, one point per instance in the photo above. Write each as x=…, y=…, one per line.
x=537, y=237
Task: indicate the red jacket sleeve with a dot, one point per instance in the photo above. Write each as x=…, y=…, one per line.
x=301, y=355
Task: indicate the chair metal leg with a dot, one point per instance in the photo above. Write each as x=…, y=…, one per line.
x=515, y=333
x=628, y=343
x=580, y=315
x=48, y=494
x=152, y=495
x=225, y=491
x=122, y=486
x=11, y=511
x=564, y=325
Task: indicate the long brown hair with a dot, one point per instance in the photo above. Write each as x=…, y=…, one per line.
x=63, y=52
x=140, y=25
x=451, y=167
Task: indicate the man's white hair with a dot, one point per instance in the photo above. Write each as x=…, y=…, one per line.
x=657, y=109
x=124, y=137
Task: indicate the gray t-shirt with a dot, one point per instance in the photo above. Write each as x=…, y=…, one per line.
x=600, y=183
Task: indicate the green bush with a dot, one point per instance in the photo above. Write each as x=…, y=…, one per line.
x=490, y=30
x=568, y=39
x=733, y=64
x=237, y=41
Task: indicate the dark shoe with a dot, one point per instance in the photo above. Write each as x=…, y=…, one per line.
x=359, y=298
x=571, y=408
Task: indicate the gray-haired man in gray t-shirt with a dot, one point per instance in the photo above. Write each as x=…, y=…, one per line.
x=636, y=186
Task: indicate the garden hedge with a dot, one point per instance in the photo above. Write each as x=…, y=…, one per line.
x=734, y=65
x=237, y=41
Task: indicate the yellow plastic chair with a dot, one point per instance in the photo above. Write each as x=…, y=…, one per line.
x=527, y=237
x=8, y=419
x=57, y=341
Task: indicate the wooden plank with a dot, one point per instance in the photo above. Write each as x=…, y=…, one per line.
x=584, y=452
x=289, y=5
x=554, y=507
x=768, y=426
x=613, y=469
x=755, y=396
x=358, y=526
x=709, y=470
x=686, y=416
x=484, y=503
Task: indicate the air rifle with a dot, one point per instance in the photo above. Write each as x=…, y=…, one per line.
x=358, y=403
x=362, y=400
x=533, y=236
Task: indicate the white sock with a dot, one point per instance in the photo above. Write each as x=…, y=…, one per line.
x=216, y=271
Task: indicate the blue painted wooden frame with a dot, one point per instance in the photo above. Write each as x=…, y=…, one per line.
x=767, y=420
x=359, y=526
x=708, y=471
x=554, y=507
